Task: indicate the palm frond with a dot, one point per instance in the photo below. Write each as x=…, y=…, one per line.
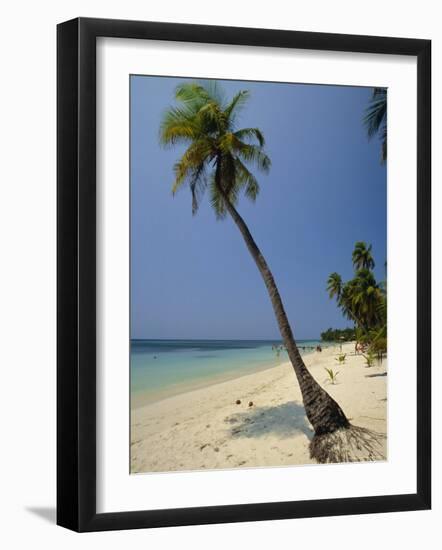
x=334, y=286
x=191, y=94
x=177, y=126
x=190, y=163
x=376, y=112
x=250, y=133
x=196, y=94
x=238, y=101
x=362, y=257
x=252, y=154
x=245, y=178
x=216, y=199
x=375, y=119
x=212, y=118
x=384, y=143
x=198, y=185
x=213, y=92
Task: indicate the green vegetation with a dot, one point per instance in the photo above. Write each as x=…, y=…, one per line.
x=361, y=256
x=218, y=155
x=379, y=347
x=369, y=358
x=337, y=334
x=341, y=358
x=375, y=119
x=332, y=376
x=363, y=300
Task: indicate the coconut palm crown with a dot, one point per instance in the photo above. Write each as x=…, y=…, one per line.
x=334, y=286
x=366, y=297
x=218, y=154
x=362, y=257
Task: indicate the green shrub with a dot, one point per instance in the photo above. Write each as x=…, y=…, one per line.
x=379, y=347
x=332, y=376
x=370, y=358
x=341, y=358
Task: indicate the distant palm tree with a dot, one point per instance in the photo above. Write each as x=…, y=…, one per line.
x=334, y=286
x=366, y=298
x=360, y=297
x=362, y=258
x=217, y=157
x=375, y=118
x=346, y=302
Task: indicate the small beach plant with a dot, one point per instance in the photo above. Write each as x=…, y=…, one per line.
x=332, y=375
x=218, y=157
x=379, y=347
x=341, y=358
x=370, y=358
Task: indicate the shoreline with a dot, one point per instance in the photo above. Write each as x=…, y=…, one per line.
x=205, y=429
x=185, y=388
x=141, y=398
x=211, y=383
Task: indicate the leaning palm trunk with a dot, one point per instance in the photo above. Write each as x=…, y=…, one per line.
x=335, y=440
x=324, y=414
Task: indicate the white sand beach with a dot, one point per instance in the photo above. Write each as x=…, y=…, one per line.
x=206, y=429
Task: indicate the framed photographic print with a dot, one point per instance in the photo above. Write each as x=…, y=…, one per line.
x=243, y=274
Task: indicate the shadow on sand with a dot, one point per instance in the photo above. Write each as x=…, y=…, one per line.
x=284, y=420
x=376, y=375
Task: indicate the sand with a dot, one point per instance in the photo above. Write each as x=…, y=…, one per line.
x=206, y=429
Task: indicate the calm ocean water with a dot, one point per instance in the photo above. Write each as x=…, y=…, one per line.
x=161, y=368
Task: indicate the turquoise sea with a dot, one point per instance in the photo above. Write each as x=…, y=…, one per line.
x=161, y=368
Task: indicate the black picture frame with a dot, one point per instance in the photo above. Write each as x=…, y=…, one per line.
x=76, y=274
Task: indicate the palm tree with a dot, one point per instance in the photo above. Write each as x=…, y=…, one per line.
x=218, y=157
x=361, y=299
x=334, y=286
x=375, y=118
x=366, y=297
x=362, y=258
x=343, y=294
x=346, y=302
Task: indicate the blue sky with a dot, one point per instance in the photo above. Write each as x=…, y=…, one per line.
x=192, y=277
